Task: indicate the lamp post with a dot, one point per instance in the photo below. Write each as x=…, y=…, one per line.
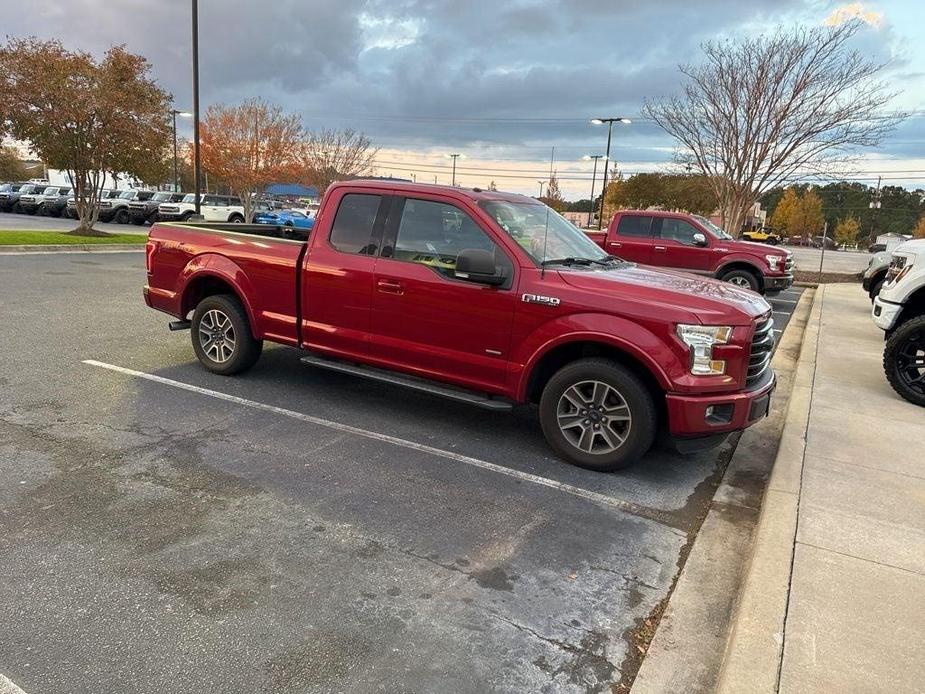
x=454, y=157
x=610, y=122
x=542, y=183
x=196, y=167
x=176, y=177
x=595, y=157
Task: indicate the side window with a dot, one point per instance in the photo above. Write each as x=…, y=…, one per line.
x=353, y=224
x=678, y=230
x=634, y=225
x=433, y=234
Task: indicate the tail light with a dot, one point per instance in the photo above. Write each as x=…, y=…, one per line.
x=150, y=250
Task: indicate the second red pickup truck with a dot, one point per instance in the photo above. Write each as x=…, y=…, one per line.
x=694, y=244
x=479, y=296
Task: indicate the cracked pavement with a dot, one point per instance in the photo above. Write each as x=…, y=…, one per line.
x=156, y=540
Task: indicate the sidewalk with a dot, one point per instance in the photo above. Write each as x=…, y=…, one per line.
x=834, y=599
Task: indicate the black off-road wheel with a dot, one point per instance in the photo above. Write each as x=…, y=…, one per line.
x=222, y=337
x=598, y=415
x=121, y=216
x=904, y=360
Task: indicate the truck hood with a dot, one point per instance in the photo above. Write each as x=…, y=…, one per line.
x=753, y=248
x=712, y=301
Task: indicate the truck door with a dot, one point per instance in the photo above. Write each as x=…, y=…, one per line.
x=632, y=238
x=674, y=246
x=424, y=319
x=337, y=281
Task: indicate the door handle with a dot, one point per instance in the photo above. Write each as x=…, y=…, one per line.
x=390, y=286
x=660, y=248
x=616, y=244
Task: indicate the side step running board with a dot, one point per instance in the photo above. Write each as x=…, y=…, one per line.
x=482, y=400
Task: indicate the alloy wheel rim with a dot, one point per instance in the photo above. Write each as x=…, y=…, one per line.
x=594, y=417
x=216, y=336
x=910, y=362
x=740, y=282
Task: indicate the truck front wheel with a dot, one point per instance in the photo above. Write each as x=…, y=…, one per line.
x=596, y=414
x=904, y=360
x=222, y=337
x=743, y=279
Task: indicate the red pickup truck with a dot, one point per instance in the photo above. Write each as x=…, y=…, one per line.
x=485, y=297
x=694, y=244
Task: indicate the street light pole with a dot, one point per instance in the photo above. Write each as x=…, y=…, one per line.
x=542, y=183
x=454, y=157
x=196, y=165
x=595, y=157
x=610, y=122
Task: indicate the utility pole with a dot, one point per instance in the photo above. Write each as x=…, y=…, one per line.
x=197, y=173
x=825, y=234
x=454, y=157
x=542, y=183
x=595, y=157
x=875, y=205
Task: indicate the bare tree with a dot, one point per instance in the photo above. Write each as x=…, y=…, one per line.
x=329, y=155
x=760, y=111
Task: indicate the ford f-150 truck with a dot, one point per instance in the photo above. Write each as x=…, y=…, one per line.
x=694, y=244
x=484, y=297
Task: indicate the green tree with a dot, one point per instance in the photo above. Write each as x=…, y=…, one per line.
x=553, y=196
x=809, y=219
x=846, y=231
x=106, y=116
x=12, y=167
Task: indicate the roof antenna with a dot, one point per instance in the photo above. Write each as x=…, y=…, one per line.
x=545, y=237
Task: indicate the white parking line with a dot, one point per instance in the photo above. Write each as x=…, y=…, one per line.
x=8, y=686
x=775, y=300
x=602, y=499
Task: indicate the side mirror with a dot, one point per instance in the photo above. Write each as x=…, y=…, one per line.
x=478, y=265
x=700, y=240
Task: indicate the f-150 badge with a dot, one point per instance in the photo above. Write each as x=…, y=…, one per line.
x=540, y=299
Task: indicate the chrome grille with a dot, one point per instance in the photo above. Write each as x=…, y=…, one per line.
x=759, y=359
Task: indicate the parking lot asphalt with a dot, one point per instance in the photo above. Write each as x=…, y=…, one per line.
x=808, y=259
x=164, y=529
x=31, y=222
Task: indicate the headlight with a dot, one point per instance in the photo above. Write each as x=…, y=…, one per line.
x=773, y=261
x=701, y=339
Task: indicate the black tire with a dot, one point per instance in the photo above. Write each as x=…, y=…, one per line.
x=638, y=434
x=236, y=219
x=773, y=241
x=904, y=360
x=121, y=216
x=185, y=217
x=742, y=278
x=245, y=350
x=875, y=288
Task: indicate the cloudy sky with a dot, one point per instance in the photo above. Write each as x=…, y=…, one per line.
x=499, y=82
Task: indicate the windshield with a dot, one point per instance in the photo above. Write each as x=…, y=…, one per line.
x=536, y=227
x=190, y=198
x=27, y=188
x=127, y=195
x=718, y=232
x=161, y=197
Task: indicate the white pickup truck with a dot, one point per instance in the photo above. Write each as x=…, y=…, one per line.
x=899, y=309
x=213, y=208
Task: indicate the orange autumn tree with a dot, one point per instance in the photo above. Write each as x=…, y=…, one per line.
x=85, y=116
x=251, y=146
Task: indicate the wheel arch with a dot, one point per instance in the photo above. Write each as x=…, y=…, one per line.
x=209, y=275
x=739, y=264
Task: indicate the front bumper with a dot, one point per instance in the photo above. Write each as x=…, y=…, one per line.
x=140, y=215
x=885, y=313
x=168, y=216
x=777, y=283
x=691, y=416
x=28, y=207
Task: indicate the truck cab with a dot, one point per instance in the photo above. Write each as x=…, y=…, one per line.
x=694, y=244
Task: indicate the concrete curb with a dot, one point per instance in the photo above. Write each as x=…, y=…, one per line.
x=687, y=651
x=74, y=248
x=754, y=651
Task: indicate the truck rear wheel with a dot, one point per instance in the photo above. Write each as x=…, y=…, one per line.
x=598, y=415
x=222, y=337
x=742, y=278
x=904, y=360
x=121, y=216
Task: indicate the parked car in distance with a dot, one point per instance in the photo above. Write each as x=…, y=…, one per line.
x=447, y=291
x=145, y=211
x=875, y=274
x=694, y=244
x=117, y=210
x=287, y=218
x=899, y=309
x=105, y=194
x=829, y=242
x=768, y=236
x=9, y=194
x=876, y=248
x=54, y=201
x=213, y=208
x=29, y=202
